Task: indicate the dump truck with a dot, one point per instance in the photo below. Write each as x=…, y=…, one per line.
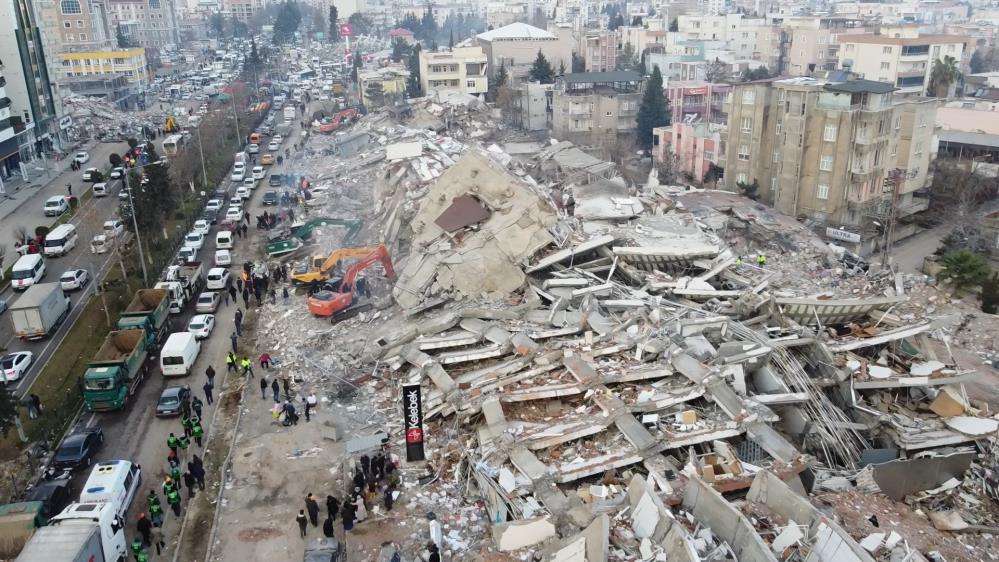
x=115, y=371
x=183, y=282
x=40, y=311
x=83, y=532
x=148, y=311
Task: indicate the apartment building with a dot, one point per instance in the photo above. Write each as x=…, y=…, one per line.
x=151, y=23
x=695, y=146
x=600, y=50
x=596, y=108
x=697, y=100
x=516, y=47
x=461, y=69
x=823, y=148
x=532, y=106
x=380, y=86
x=900, y=55
x=130, y=63
x=243, y=10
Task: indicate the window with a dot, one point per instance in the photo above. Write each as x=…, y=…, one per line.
x=79, y=23
x=70, y=7
x=919, y=149
x=747, y=124
x=780, y=124
x=822, y=192
x=748, y=97
x=885, y=65
x=780, y=95
x=741, y=178
x=470, y=84
x=83, y=37
x=894, y=150
x=829, y=133
x=709, y=155
x=744, y=152
x=886, y=50
x=776, y=155
x=773, y=184
x=922, y=120
x=826, y=163
x=898, y=122
x=66, y=24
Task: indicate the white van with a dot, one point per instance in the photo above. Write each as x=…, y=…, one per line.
x=60, y=240
x=223, y=258
x=28, y=270
x=178, y=354
x=100, y=189
x=115, y=482
x=223, y=240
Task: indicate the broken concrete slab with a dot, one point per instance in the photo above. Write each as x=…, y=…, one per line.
x=515, y=535
x=904, y=477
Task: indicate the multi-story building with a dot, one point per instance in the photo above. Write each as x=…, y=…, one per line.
x=823, y=149
x=130, y=63
x=694, y=146
x=532, y=106
x=695, y=100
x=381, y=85
x=900, y=55
x=516, y=46
x=243, y=10
x=600, y=51
x=28, y=100
x=151, y=23
x=461, y=69
x=595, y=108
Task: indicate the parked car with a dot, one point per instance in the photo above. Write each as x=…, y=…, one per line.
x=258, y=172
x=15, y=365
x=3, y=306
x=210, y=216
x=81, y=158
x=270, y=198
x=100, y=189
x=215, y=204
x=223, y=257
x=172, y=400
x=117, y=173
x=201, y=325
x=114, y=228
x=208, y=302
x=194, y=239
x=274, y=145
x=234, y=213
x=187, y=254
x=55, y=206
x=74, y=279
x=243, y=193
x=202, y=226
x=78, y=449
x=253, y=148
x=267, y=159
x=92, y=175
x=55, y=494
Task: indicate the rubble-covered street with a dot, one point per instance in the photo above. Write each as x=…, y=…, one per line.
x=608, y=371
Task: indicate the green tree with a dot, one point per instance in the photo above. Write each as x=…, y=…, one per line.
x=286, y=23
x=714, y=173
x=357, y=62
x=653, y=111
x=578, y=63
x=942, y=76
x=428, y=26
x=541, y=70
x=615, y=22
x=410, y=22
x=674, y=25
x=750, y=190
x=414, y=88
x=626, y=59
x=334, y=28
x=360, y=24
x=498, y=81
x=115, y=159
x=217, y=23
x=400, y=49
x=153, y=193
x=990, y=294
x=8, y=411
x=965, y=269
x=977, y=62
x=120, y=38
x=751, y=74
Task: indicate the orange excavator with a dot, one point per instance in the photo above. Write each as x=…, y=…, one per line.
x=339, y=119
x=339, y=304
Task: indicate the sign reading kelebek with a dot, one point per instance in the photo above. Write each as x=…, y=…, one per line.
x=412, y=411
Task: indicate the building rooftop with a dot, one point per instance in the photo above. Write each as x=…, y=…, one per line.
x=857, y=86
x=515, y=31
x=876, y=39
x=968, y=120
x=599, y=77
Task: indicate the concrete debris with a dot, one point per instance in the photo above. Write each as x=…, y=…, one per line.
x=607, y=369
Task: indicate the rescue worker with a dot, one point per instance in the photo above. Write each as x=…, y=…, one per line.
x=185, y=443
x=173, y=498
x=168, y=485
x=197, y=405
x=185, y=424
x=175, y=473
x=156, y=513
x=173, y=442
x=230, y=361
x=761, y=260
x=137, y=547
x=197, y=431
x=247, y=366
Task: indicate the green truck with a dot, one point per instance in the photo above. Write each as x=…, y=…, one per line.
x=116, y=371
x=149, y=311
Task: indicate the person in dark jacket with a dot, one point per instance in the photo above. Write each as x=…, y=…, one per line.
x=347, y=513
x=332, y=507
x=303, y=522
x=145, y=528
x=190, y=482
x=313, y=508
x=328, y=528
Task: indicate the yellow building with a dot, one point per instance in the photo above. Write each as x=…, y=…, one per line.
x=130, y=63
x=378, y=86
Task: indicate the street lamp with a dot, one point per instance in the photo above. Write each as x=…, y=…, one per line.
x=201, y=149
x=232, y=98
x=135, y=223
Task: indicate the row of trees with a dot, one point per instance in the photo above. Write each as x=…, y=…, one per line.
x=454, y=28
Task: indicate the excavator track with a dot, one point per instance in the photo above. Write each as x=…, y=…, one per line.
x=351, y=311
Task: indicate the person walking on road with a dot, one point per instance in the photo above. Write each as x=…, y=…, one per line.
x=210, y=373
x=197, y=404
x=239, y=284
x=332, y=507
x=239, y=322
x=284, y=295
x=197, y=431
x=173, y=498
x=275, y=390
x=230, y=358
x=198, y=472
x=302, y=522
x=287, y=392
x=145, y=528
x=186, y=424
x=190, y=482
x=234, y=339
x=310, y=403
x=232, y=293
x=247, y=366
x=328, y=531
x=208, y=393
x=347, y=514
x=313, y=508
x=263, y=388
x=265, y=360
x=173, y=442
x=157, y=536
x=246, y=297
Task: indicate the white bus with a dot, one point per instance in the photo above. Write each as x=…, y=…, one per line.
x=173, y=144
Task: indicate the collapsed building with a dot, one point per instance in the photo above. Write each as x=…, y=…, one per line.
x=608, y=372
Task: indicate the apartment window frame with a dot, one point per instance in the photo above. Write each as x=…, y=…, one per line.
x=822, y=192
x=746, y=124
x=742, y=178
x=743, y=154
x=748, y=97
x=829, y=133
x=826, y=163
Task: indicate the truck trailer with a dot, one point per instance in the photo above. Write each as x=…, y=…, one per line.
x=40, y=311
x=148, y=311
x=115, y=371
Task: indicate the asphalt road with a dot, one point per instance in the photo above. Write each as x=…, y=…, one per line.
x=89, y=221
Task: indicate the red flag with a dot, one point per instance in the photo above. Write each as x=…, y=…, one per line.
x=346, y=30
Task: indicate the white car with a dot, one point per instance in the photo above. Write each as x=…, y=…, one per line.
x=218, y=279
x=234, y=213
x=253, y=148
x=250, y=183
x=208, y=302
x=74, y=279
x=194, y=239
x=277, y=139
x=238, y=174
x=201, y=325
x=55, y=206
x=114, y=228
x=202, y=226
x=259, y=172
x=15, y=365
x=223, y=257
x=117, y=173
x=81, y=158
x=243, y=193
x=237, y=199
x=215, y=205
x=274, y=146
x=187, y=254
x=100, y=189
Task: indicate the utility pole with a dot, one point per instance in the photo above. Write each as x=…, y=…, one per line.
x=895, y=180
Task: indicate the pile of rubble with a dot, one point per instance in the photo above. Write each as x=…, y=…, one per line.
x=608, y=374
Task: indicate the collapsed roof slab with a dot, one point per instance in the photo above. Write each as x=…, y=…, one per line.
x=572, y=471
x=909, y=382
x=728, y=523
x=832, y=311
x=850, y=344
x=568, y=253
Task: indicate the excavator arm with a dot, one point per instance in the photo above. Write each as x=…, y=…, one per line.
x=338, y=305
x=321, y=267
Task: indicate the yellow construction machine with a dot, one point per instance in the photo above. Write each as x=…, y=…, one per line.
x=318, y=268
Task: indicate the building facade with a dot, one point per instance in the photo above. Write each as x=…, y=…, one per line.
x=151, y=23
x=694, y=100
x=600, y=51
x=532, y=106
x=130, y=63
x=694, y=147
x=517, y=45
x=823, y=149
x=596, y=108
x=461, y=69
x=900, y=55
x=379, y=86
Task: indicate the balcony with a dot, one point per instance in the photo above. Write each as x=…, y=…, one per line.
x=861, y=168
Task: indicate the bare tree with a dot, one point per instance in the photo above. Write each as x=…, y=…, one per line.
x=956, y=192
x=716, y=72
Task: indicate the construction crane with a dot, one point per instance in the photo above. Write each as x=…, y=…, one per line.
x=339, y=304
x=319, y=268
